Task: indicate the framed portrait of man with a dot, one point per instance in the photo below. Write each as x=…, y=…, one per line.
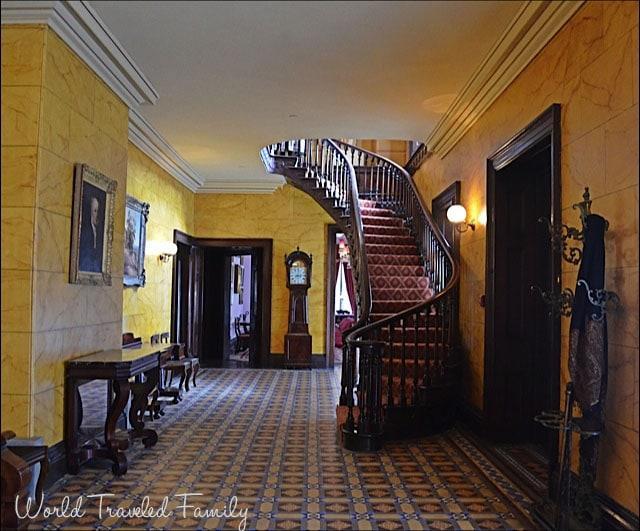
x=92, y=227
x=135, y=235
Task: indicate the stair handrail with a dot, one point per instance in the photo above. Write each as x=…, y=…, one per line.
x=391, y=186
x=325, y=162
x=357, y=244
x=419, y=208
x=416, y=159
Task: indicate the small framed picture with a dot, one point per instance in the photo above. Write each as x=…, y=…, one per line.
x=92, y=227
x=135, y=236
x=238, y=277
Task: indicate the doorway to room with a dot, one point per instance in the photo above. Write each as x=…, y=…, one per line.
x=522, y=339
x=341, y=297
x=221, y=306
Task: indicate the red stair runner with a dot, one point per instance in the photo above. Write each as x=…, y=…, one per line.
x=398, y=282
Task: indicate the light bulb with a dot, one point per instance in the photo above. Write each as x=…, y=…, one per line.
x=456, y=214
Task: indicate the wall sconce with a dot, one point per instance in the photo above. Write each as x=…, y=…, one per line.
x=163, y=250
x=457, y=215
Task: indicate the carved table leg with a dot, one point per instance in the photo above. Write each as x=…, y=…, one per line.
x=71, y=425
x=116, y=447
x=141, y=392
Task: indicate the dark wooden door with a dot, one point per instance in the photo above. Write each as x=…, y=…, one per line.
x=215, y=319
x=523, y=333
x=195, y=301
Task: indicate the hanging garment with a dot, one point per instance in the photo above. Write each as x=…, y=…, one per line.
x=588, y=329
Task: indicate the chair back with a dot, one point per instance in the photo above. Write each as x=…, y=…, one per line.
x=164, y=337
x=178, y=352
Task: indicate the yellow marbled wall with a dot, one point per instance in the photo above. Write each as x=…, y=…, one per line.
x=58, y=112
x=291, y=218
x=22, y=57
x=147, y=310
x=591, y=68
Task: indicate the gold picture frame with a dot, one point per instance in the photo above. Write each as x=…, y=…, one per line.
x=94, y=197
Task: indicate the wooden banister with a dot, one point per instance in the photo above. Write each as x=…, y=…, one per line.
x=338, y=175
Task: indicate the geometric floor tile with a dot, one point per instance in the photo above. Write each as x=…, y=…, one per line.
x=267, y=438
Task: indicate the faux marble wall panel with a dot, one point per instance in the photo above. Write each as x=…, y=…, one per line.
x=81, y=121
x=22, y=57
x=147, y=310
x=291, y=218
x=591, y=68
x=56, y=112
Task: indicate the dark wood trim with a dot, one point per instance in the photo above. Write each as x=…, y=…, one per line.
x=57, y=464
x=472, y=417
x=241, y=245
x=276, y=360
x=614, y=515
x=547, y=125
x=332, y=232
x=450, y=195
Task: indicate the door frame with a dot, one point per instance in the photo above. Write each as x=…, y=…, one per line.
x=451, y=194
x=545, y=125
x=264, y=289
x=332, y=231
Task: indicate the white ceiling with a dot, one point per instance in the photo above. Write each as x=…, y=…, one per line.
x=234, y=76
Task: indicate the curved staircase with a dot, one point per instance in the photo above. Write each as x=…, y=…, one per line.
x=400, y=361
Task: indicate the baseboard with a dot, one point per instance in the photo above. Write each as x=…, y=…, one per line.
x=472, y=417
x=276, y=361
x=614, y=515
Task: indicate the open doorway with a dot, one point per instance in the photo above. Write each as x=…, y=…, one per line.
x=237, y=339
x=221, y=307
x=522, y=339
x=341, y=297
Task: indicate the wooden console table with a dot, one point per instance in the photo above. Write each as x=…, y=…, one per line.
x=118, y=366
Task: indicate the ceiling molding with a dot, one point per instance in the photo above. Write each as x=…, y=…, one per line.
x=80, y=27
x=143, y=135
x=262, y=186
x=531, y=29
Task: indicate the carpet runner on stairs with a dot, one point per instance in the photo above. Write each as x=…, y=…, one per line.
x=398, y=282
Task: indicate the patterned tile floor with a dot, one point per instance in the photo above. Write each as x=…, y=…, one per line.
x=268, y=438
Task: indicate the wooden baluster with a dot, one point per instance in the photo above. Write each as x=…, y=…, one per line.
x=416, y=338
x=428, y=352
x=403, y=366
x=390, y=401
x=363, y=383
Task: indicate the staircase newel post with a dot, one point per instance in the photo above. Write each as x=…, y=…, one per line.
x=347, y=386
x=368, y=433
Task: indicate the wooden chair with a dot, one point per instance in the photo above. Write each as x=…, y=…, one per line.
x=195, y=366
x=243, y=336
x=129, y=340
x=17, y=463
x=195, y=362
x=178, y=364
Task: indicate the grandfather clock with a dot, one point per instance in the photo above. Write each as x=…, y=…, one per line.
x=297, y=341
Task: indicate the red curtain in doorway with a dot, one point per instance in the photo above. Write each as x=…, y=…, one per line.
x=348, y=275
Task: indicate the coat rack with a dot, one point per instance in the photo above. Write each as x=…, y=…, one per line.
x=565, y=240
x=561, y=236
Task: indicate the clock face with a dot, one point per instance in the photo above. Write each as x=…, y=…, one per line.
x=297, y=275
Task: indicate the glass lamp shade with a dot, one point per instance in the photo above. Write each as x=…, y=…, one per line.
x=456, y=214
x=160, y=248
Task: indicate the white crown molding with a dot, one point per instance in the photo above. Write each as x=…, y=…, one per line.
x=531, y=29
x=143, y=135
x=80, y=27
x=261, y=186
